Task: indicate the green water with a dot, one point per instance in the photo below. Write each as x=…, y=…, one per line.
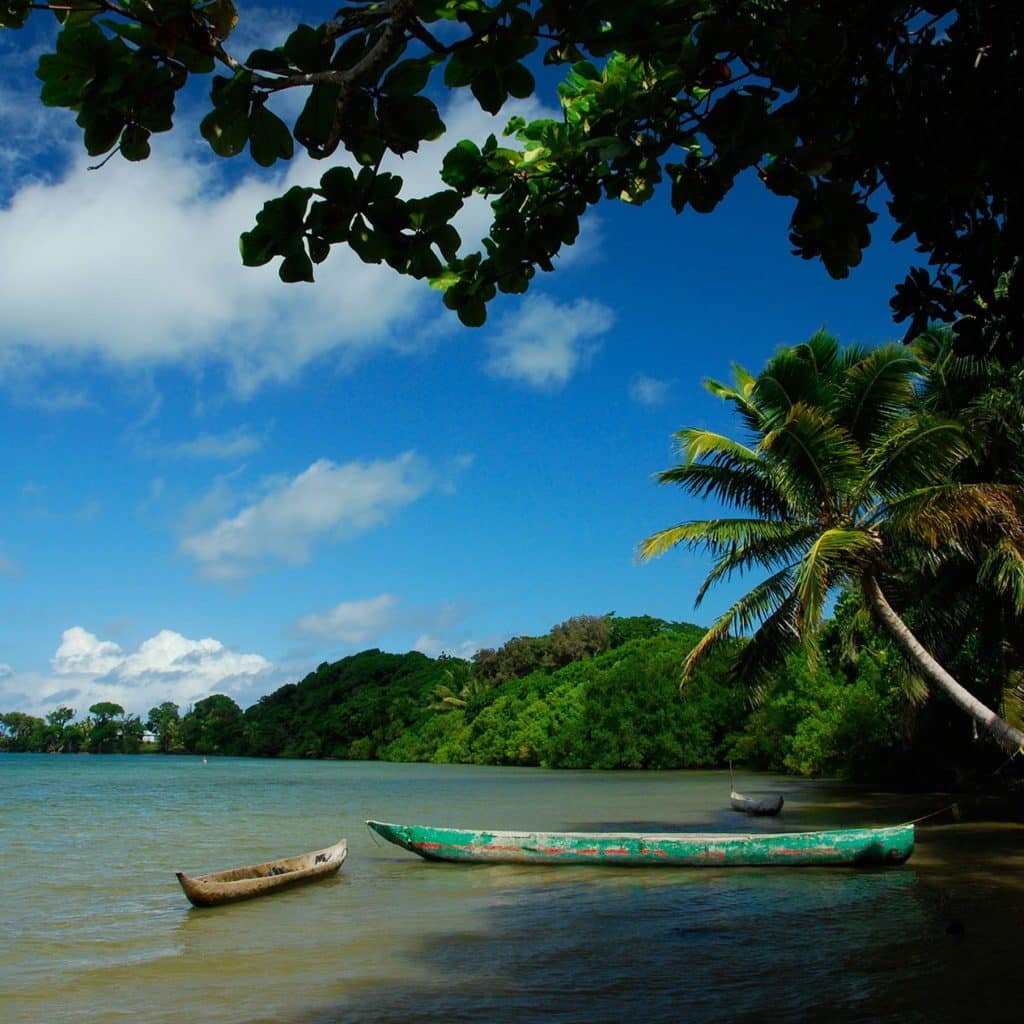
x=96, y=930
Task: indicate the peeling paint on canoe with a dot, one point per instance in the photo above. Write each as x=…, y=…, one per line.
x=891, y=845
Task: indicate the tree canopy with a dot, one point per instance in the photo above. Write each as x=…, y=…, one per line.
x=848, y=477
x=838, y=108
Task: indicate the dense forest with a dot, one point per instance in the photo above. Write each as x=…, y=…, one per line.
x=595, y=692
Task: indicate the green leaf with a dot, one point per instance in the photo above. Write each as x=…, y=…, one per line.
x=488, y=90
x=269, y=137
x=226, y=130
x=369, y=245
x=448, y=278
x=472, y=312
x=447, y=239
x=14, y=13
x=296, y=267
x=434, y=211
x=140, y=35
x=257, y=247
x=319, y=249
x=135, y=143
x=63, y=81
x=102, y=130
x=338, y=185
x=222, y=17
x=519, y=81
x=408, y=77
x=269, y=60
x=462, y=67
x=405, y=121
x=196, y=62
x=313, y=127
x=461, y=166
x=307, y=49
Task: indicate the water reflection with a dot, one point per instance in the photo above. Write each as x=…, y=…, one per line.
x=665, y=945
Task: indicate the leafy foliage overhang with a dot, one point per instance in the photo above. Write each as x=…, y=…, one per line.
x=834, y=105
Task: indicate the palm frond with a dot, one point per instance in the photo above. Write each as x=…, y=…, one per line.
x=757, y=606
x=693, y=444
x=814, y=459
x=912, y=684
x=741, y=396
x=832, y=559
x=1003, y=569
x=777, y=637
x=798, y=374
x=876, y=388
x=957, y=516
x=735, y=485
x=920, y=451
x=792, y=375
x=726, y=536
x=771, y=549
x=951, y=382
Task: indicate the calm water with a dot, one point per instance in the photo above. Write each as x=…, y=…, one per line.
x=96, y=930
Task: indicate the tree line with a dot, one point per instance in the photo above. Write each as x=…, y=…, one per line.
x=209, y=726
x=595, y=692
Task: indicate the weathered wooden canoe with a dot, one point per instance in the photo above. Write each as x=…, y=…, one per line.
x=756, y=804
x=259, y=879
x=697, y=849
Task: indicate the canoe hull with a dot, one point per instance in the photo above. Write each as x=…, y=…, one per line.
x=244, y=883
x=756, y=804
x=839, y=846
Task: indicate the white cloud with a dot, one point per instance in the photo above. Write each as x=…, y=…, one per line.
x=167, y=666
x=147, y=263
x=325, y=500
x=543, y=344
x=352, y=622
x=649, y=390
x=434, y=646
x=232, y=444
x=5, y=670
x=56, y=400
x=367, y=621
x=81, y=652
x=144, y=260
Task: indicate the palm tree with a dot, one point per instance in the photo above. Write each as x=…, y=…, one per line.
x=846, y=472
x=958, y=599
x=461, y=688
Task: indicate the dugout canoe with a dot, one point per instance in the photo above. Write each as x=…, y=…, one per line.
x=260, y=879
x=755, y=804
x=752, y=804
x=856, y=846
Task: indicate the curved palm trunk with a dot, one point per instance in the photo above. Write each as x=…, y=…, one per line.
x=1008, y=736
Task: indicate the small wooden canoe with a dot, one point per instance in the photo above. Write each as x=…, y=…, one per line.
x=752, y=804
x=756, y=804
x=259, y=879
x=687, y=849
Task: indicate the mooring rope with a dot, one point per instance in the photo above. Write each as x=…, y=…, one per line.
x=955, y=806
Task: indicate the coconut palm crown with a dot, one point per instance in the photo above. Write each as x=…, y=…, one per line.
x=844, y=468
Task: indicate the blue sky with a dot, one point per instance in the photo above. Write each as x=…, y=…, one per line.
x=212, y=481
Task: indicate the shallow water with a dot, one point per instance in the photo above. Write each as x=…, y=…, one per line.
x=96, y=930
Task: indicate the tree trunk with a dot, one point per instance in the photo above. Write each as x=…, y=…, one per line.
x=910, y=646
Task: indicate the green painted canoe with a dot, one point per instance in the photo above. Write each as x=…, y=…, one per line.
x=686, y=849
